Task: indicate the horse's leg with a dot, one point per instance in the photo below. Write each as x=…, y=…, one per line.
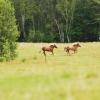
x=44, y=53
x=75, y=51
x=67, y=50
x=52, y=53
x=69, y=53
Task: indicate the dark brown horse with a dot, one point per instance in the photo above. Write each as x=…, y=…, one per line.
x=49, y=49
x=72, y=47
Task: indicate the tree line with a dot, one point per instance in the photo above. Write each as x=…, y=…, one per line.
x=58, y=20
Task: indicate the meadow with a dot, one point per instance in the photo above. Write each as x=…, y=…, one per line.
x=61, y=77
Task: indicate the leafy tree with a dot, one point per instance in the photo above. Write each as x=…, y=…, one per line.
x=85, y=27
x=66, y=8
x=8, y=31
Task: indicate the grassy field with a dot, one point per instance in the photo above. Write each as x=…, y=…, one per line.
x=62, y=77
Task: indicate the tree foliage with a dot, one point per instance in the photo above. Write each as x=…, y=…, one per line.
x=8, y=31
x=58, y=20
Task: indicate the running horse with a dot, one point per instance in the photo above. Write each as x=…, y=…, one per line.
x=72, y=47
x=48, y=49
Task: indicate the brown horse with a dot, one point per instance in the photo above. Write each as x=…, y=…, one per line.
x=72, y=47
x=48, y=49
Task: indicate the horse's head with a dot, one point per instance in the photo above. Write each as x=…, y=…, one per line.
x=53, y=46
x=77, y=45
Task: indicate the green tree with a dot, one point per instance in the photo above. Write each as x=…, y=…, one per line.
x=8, y=31
x=86, y=26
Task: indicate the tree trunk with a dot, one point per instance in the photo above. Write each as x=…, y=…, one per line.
x=23, y=27
x=62, y=37
x=68, y=40
x=69, y=16
x=33, y=24
x=61, y=34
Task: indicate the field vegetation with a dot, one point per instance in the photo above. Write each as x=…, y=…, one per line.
x=61, y=77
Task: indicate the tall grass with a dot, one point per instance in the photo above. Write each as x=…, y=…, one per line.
x=62, y=77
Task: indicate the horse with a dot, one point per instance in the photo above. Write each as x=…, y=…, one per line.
x=72, y=47
x=48, y=49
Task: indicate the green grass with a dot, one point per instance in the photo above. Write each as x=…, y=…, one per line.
x=62, y=77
